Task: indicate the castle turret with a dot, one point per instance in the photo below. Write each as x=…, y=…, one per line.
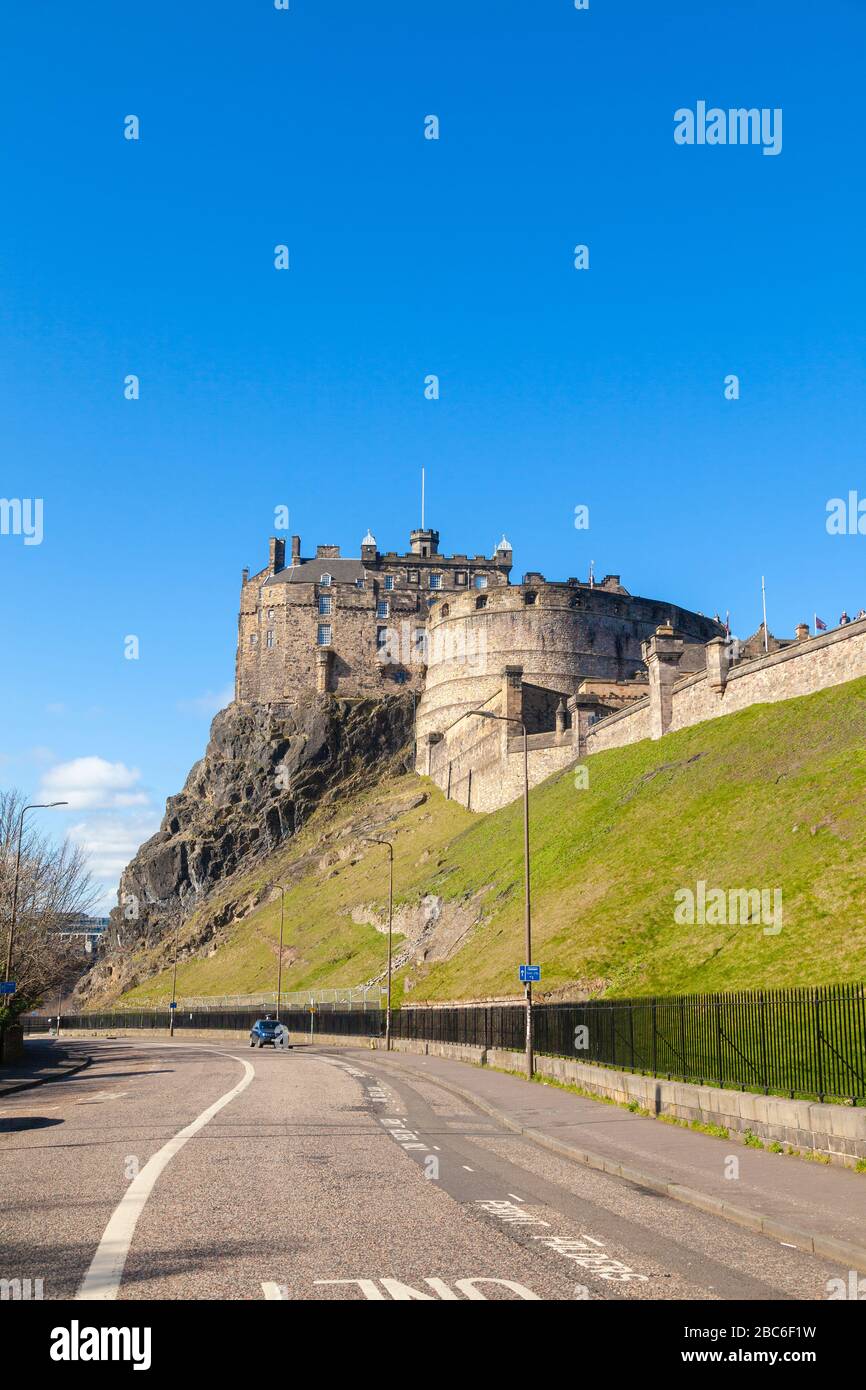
x=368, y=549
x=424, y=542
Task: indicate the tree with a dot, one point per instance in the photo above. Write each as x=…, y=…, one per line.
x=53, y=887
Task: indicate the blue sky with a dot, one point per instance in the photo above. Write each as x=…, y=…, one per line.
x=305, y=388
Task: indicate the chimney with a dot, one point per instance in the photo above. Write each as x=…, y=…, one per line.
x=804, y=632
x=277, y=555
x=296, y=550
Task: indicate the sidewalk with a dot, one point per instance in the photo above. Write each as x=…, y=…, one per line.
x=817, y=1208
x=45, y=1059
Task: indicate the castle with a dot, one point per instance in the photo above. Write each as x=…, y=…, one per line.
x=578, y=666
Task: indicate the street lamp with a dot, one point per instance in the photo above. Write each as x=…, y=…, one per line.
x=280, y=962
x=508, y=719
x=173, y=1006
x=37, y=806
x=390, y=848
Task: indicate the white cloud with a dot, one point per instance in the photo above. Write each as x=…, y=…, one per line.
x=210, y=703
x=110, y=842
x=94, y=784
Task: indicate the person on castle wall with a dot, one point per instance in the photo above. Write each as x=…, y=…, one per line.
x=861, y=614
x=844, y=619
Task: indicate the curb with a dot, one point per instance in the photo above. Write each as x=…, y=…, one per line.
x=827, y=1247
x=41, y=1080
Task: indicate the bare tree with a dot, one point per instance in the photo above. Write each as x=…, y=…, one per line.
x=54, y=887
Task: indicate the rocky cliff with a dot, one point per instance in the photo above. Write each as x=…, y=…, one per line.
x=263, y=774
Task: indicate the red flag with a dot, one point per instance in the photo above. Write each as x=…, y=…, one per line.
x=820, y=625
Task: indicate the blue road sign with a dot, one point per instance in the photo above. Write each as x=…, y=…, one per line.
x=7, y=986
x=530, y=974
x=172, y=1005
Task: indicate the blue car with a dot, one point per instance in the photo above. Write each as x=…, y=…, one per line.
x=267, y=1032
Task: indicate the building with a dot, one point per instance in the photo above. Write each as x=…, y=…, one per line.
x=349, y=626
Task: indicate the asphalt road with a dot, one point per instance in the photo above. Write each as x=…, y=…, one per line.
x=317, y=1174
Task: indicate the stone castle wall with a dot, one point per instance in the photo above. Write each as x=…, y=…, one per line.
x=801, y=668
x=559, y=634
x=480, y=763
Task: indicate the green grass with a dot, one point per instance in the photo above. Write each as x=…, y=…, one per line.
x=772, y=797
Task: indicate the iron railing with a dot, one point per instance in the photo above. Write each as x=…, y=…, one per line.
x=808, y=1042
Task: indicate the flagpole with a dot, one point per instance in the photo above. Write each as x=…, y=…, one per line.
x=422, y=499
x=764, y=606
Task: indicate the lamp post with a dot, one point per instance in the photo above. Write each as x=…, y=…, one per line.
x=173, y=1006
x=280, y=962
x=37, y=806
x=507, y=719
x=390, y=848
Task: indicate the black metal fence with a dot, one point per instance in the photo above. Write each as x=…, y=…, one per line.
x=346, y=1022
x=796, y=1042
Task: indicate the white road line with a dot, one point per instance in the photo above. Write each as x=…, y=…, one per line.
x=99, y=1097
x=515, y=1196
x=468, y=1169
x=102, y=1280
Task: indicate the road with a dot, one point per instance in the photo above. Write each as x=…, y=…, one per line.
x=211, y=1171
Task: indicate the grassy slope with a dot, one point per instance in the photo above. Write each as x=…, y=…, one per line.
x=771, y=797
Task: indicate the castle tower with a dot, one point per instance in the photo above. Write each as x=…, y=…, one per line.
x=424, y=542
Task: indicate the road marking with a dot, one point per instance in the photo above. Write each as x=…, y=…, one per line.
x=399, y=1292
x=509, y=1213
x=515, y=1196
x=468, y=1169
x=102, y=1280
x=275, y=1291
x=596, y=1261
x=99, y=1096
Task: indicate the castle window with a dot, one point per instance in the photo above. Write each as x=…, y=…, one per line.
x=381, y=638
x=529, y=598
x=383, y=608
x=270, y=615
x=326, y=604
x=420, y=643
x=389, y=581
x=460, y=577
x=481, y=603
x=435, y=581
x=270, y=637
x=325, y=579
x=480, y=581
x=412, y=576
x=359, y=583
x=444, y=611
x=254, y=639
x=323, y=635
